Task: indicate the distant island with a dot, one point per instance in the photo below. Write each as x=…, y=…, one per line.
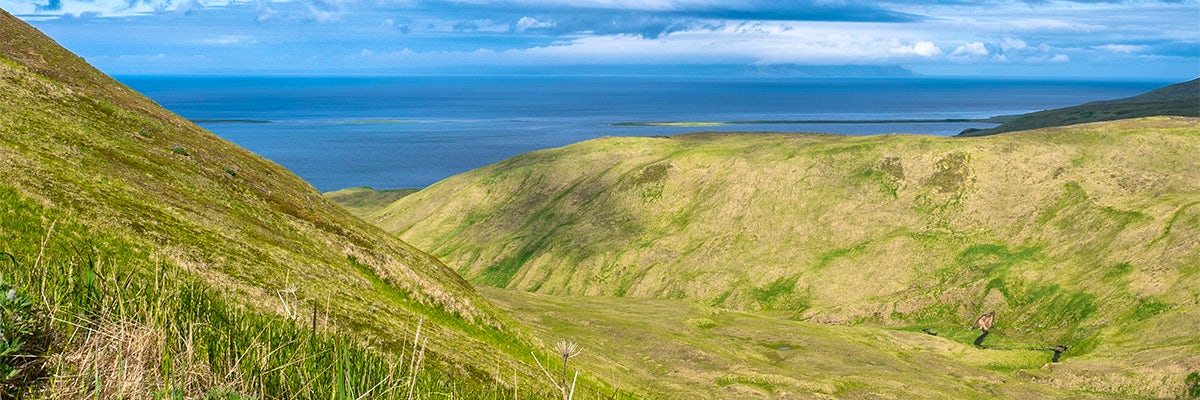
x=693, y=124
x=1181, y=99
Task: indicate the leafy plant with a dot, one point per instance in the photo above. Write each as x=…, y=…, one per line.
x=1191, y=386
x=180, y=150
x=18, y=331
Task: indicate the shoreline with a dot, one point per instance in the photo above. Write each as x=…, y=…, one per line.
x=992, y=120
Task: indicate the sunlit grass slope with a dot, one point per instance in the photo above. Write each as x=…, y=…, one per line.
x=119, y=218
x=682, y=350
x=364, y=201
x=1086, y=236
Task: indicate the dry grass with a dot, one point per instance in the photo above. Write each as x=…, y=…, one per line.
x=118, y=360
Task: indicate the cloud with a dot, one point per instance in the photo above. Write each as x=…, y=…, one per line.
x=1122, y=48
x=923, y=49
x=324, y=11
x=757, y=10
x=530, y=23
x=228, y=40
x=952, y=33
x=759, y=43
x=1011, y=44
x=188, y=7
x=970, y=50
x=263, y=11
x=53, y=5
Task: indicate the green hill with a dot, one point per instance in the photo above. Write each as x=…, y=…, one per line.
x=364, y=201
x=1086, y=236
x=1180, y=99
x=146, y=257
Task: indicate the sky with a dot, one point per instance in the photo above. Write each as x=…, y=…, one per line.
x=1121, y=39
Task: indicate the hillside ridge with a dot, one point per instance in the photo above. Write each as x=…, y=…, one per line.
x=100, y=181
x=1084, y=236
x=1180, y=99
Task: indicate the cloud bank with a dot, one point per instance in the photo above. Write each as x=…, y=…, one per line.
x=1072, y=38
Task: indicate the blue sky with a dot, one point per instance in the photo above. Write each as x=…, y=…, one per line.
x=1135, y=39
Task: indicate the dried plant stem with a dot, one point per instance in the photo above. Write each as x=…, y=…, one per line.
x=573, y=380
x=418, y=356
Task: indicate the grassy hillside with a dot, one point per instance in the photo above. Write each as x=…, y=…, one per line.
x=1086, y=236
x=205, y=267
x=364, y=201
x=1181, y=99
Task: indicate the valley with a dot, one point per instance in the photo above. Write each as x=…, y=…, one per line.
x=1079, y=236
x=144, y=257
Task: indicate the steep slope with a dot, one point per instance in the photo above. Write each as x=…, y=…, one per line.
x=99, y=179
x=1086, y=236
x=1180, y=99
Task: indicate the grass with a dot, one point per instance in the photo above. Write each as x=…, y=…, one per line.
x=364, y=201
x=679, y=349
x=197, y=267
x=127, y=327
x=906, y=232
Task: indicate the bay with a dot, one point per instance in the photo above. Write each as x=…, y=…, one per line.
x=410, y=132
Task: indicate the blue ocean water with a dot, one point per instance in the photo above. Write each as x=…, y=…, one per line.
x=402, y=132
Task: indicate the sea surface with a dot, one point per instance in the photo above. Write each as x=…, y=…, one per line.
x=410, y=132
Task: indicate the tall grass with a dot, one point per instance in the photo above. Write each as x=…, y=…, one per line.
x=128, y=327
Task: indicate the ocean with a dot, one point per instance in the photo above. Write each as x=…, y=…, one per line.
x=410, y=132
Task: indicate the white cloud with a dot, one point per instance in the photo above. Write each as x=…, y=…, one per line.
x=1010, y=44
x=1122, y=48
x=970, y=50
x=527, y=23
x=923, y=49
x=112, y=8
x=1052, y=25
x=1060, y=58
x=323, y=14
x=643, y=5
x=228, y=40
x=760, y=44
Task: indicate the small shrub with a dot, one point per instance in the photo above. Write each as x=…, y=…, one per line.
x=1191, y=386
x=180, y=150
x=1148, y=308
x=228, y=170
x=20, y=339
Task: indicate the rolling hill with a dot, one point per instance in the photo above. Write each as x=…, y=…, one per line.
x=206, y=269
x=1085, y=236
x=1180, y=99
x=364, y=201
